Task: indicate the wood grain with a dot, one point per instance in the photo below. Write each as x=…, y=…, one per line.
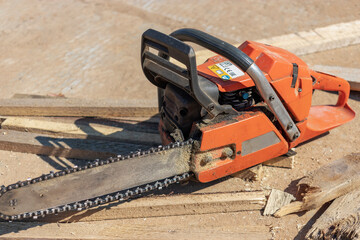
x=325, y=184
x=340, y=221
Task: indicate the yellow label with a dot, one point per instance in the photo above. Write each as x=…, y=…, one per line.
x=219, y=72
x=226, y=70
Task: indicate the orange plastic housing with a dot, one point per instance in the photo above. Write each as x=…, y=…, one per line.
x=277, y=66
x=252, y=129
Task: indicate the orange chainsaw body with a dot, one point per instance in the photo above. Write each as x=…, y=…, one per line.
x=242, y=107
x=251, y=135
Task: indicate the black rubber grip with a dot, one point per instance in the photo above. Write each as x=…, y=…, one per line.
x=216, y=45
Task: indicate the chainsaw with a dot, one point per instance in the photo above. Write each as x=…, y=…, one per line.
x=240, y=108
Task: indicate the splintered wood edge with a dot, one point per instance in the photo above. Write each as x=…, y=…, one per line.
x=341, y=218
x=316, y=193
x=293, y=207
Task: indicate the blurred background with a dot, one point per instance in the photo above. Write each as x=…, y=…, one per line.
x=91, y=49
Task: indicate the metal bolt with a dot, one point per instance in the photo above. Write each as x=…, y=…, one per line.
x=296, y=135
x=289, y=126
x=299, y=90
x=227, y=153
x=271, y=98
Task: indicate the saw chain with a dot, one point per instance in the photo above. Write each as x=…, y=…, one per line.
x=119, y=196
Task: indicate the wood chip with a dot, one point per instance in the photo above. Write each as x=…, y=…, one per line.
x=277, y=199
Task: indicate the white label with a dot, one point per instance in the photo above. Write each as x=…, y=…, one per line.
x=230, y=69
x=226, y=70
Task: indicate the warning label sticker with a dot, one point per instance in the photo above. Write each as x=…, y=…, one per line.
x=226, y=70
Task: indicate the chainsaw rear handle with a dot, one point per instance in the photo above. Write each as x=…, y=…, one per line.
x=170, y=46
x=329, y=82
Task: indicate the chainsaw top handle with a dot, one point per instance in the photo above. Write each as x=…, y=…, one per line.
x=160, y=71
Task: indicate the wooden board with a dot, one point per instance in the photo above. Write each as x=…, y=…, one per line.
x=77, y=107
x=40, y=144
x=341, y=220
x=156, y=229
x=352, y=75
x=131, y=133
x=171, y=205
x=305, y=42
x=325, y=184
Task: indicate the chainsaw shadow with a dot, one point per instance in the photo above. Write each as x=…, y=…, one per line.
x=97, y=138
x=355, y=95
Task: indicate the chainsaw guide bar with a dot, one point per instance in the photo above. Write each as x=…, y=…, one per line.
x=115, y=179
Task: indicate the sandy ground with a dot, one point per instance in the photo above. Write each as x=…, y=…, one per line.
x=90, y=49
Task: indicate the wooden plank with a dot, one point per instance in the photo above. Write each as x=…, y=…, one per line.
x=82, y=129
x=285, y=161
x=341, y=220
x=251, y=174
x=77, y=107
x=173, y=205
x=305, y=42
x=352, y=75
x=151, y=229
x=277, y=199
x=325, y=184
x=41, y=144
x=281, y=162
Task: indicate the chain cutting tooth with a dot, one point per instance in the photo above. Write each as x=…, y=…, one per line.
x=119, y=196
